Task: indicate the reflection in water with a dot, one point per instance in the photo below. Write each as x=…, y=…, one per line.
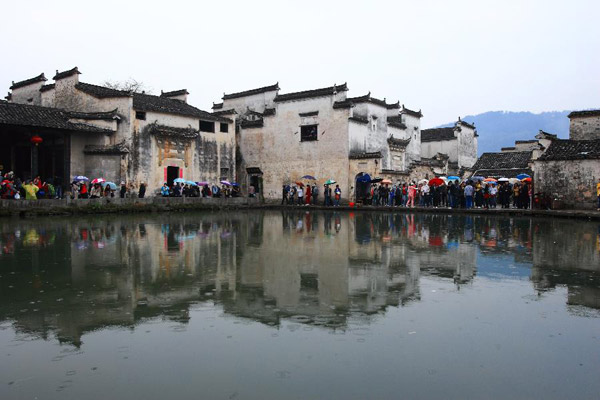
x=68, y=277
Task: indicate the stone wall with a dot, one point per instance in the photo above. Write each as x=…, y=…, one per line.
x=107, y=166
x=585, y=128
x=448, y=147
x=467, y=147
x=571, y=181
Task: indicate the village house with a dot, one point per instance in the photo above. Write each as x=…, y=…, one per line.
x=115, y=134
x=322, y=133
x=458, y=142
x=568, y=170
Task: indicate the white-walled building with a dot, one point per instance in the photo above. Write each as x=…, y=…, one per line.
x=148, y=138
x=320, y=132
x=458, y=142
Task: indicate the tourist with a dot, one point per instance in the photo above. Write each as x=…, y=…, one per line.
x=30, y=190
x=492, y=193
x=308, y=194
x=300, y=193
x=315, y=194
x=95, y=192
x=251, y=191
x=327, y=194
x=469, y=190
x=83, y=190
x=412, y=191
x=337, y=195
x=123, y=190
x=164, y=190
x=142, y=191
x=598, y=193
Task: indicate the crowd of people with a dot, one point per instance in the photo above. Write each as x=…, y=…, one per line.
x=308, y=194
x=13, y=187
x=453, y=194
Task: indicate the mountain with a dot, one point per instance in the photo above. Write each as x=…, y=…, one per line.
x=499, y=129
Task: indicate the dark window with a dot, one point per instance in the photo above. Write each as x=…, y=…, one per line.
x=224, y=127
x=224, y=173
x=308, y=132
x=207, y=126
x=140, y=115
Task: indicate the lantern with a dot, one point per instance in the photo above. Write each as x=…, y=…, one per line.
x=36, y=139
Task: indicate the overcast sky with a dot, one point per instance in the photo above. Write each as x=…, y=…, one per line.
x=448, y=58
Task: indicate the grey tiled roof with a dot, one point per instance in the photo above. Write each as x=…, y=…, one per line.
x=572, y=150
x=119, y=148
x=584, y=113
x=397, y=143
x=361, y=155
x=268, y=112
x=45, y=88
x=27, y=82
x=405, y=110
x=343, y=104
x=396, y=122
x=101, y=92
x=252, y=124
x=369, y=99
x=217, y=106
x=360, y=120
x=65, y=74
x=44, y=117
x=515, y=159
x=252, y=92
x=468, y=125
x=169, y=131
x=174, y=93
x=103, y=115
x=328, y=91
x=437, y=134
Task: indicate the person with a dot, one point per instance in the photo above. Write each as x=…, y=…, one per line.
x=308, y=194
x=492, y=199
x=164, y=190
x=469, y=190
x=598, y=193
x=285, y=189
x=142, y=191
x=315, y=193
x=123, y=190
x=95, y=192
x=300, y=193
x=83, y=191
x=412, y=191
x=337, y=196
x=30, y=191
x=327, y=194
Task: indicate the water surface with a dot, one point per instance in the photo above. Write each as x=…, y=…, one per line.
x=299, y=305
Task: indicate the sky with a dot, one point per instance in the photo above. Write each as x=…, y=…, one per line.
x=447, y=58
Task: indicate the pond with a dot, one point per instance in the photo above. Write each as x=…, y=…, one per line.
x=299, y=305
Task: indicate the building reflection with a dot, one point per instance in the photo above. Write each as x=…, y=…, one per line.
x=318, y=268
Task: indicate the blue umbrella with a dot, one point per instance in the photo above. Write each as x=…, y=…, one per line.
x=80, y=178
x=523, y=176
x=453, y=178
x=111, y=185
x=192, y=183
x=179, y=180
x=365, y=178
x=477, y=178
x=235, y=184
x=309, y=177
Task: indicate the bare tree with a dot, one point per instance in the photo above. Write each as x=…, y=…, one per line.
x=130, y=85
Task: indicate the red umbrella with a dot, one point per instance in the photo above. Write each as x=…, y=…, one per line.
x=526, y=180
x=436, y=182
x=300, y=184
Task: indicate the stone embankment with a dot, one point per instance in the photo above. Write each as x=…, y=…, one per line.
x=175, y=204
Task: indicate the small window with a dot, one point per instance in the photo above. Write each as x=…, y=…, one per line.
x=140, y=115
x=207, y=126
x=308, y=133
x=224, y=127
x=224, y=174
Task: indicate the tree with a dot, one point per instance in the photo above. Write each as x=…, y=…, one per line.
x=130, y=85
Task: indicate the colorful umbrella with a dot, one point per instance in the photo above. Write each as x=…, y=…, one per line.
x=179, y=180
x=98, y=180
x=80, y=178
x=477, y=178
x=523, y=176
x=226, y=183
x=309, y=177
x=192, y=183
x=490, y=180
x=453, y=178
x=202, y=183
x=436, y=182
x=503, y=180
x=386, y=182
x=330, y=182
x=111, y=185
x=365, y=178
x=528, y=179
x=299, y=183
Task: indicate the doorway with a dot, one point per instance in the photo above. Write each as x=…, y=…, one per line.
x=172, y=174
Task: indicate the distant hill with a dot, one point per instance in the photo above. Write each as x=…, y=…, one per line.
x=499, y=129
